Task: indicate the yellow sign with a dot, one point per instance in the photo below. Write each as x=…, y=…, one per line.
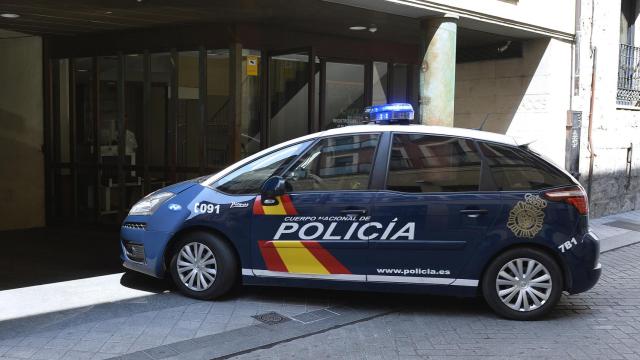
x=252, y=65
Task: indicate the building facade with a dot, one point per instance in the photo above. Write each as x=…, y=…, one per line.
x=109, y=103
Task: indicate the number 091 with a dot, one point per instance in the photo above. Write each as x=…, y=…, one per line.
x=204, y=208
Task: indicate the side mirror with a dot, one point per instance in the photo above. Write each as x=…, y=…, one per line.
x=274, y=186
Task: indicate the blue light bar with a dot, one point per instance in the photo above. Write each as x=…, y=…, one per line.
x=397, y=113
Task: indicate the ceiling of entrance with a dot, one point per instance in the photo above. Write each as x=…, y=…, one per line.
x=72, y=17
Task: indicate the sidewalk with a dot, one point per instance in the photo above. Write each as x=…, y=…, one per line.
x=617, y=230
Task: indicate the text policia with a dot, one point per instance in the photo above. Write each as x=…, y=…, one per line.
x=314, y=229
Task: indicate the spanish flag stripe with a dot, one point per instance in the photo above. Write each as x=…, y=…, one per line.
x=326, y=258
x=276, y=209
x=298, y=259
x=288, y=205
x=271, y=257
x=257, y=206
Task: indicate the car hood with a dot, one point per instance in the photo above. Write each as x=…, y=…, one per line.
x=181, y=186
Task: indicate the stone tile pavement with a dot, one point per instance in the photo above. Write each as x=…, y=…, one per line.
x=602, y=323
x=110, y=329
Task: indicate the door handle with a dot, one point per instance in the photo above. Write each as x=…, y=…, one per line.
x=474, y=213
x=354, y=211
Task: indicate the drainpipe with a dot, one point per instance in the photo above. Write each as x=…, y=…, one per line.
x=592, y=154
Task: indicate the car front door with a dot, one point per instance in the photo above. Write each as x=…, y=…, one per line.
x=314, y=231
x=434, y=211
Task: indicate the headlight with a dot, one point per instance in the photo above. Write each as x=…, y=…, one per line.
x=148, y=205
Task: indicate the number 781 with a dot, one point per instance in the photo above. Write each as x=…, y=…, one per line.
x=567, y=245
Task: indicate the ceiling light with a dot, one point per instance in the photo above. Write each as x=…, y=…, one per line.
x=9, y=16
x=357, y=28
x=373, y=28
x=108, y=12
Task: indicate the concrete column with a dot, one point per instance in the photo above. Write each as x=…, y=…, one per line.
x=438, y=70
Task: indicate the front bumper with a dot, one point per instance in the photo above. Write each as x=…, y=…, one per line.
x=143, y=250
x=585, y=267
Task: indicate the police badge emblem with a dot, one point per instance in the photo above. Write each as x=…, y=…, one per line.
x=527, y=217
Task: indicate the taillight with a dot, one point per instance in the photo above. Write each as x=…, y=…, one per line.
x=573, y=196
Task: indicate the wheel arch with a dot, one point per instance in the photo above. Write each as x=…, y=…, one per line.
x=546, y=249
x=169, y=249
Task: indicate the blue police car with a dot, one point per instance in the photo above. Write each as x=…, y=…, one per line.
x=384, y=206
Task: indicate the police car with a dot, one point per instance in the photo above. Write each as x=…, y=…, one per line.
x=385, y=206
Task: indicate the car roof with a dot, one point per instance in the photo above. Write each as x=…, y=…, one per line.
x=422, y=129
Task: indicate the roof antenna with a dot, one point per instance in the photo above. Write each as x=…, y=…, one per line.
x=483, y=122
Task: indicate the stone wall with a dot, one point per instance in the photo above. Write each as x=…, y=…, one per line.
x=614, y=188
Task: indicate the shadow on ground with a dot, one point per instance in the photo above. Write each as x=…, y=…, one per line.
x=46, y=255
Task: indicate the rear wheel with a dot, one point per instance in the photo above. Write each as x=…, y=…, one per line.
x=203, y=266
x=522, y=284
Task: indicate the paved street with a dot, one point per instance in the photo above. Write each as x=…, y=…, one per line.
x=601, y=324
x=134, y=317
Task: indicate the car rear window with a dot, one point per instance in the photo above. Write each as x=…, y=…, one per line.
x=514, y=169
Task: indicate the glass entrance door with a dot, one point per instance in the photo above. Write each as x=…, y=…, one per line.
x=344, y=94
x=290, y=84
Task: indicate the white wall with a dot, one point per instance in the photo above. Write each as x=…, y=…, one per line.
x=556, y=15
x=555, y=18
x=21, y=132
x=614, y=129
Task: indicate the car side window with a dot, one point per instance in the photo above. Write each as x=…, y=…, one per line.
x=517, y=169
x=335, y=163
x=248, y=179
x=427, y=163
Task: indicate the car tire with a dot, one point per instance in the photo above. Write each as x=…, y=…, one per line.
x=518, y=297
x=193, y=254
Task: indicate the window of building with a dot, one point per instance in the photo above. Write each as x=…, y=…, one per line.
x=425, y=163
x=219, y=134
x=399, y=85
x=380, y=84
x=188, y=122
x=336, y=163
x=628, y=71
x=517, y=169
x=250, y=130
x=288, y=97
x=344, y=93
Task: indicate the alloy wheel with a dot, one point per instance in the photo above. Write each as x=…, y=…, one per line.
x=524, y=284
x=197, y=267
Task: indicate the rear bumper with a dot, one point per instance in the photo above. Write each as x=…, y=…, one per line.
x=152, y=244
x=585, y=267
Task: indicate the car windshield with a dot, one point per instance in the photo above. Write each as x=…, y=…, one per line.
x=248, y=179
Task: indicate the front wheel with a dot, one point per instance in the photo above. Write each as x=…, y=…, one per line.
x=203, y=266
x=522, y=284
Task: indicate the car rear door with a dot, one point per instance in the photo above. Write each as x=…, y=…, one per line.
x=435, y=209
x=527, y=216
x=314, y=231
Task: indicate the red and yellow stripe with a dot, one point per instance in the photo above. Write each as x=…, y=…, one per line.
x=302, y=257
x=283, y=206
